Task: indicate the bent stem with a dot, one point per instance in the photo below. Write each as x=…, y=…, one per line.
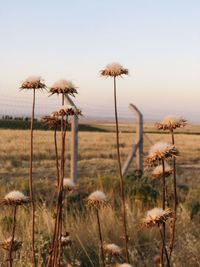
x=13, y=236
x=121, y=176
x=31, y=181
x=164, y=246
x=175, y=200
x=100, y=238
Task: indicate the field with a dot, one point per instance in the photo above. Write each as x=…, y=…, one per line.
x=97, y=169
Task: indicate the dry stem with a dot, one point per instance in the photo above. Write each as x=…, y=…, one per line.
x=121, y=176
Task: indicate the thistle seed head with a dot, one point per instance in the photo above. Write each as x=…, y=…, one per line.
x=114, y=70
x=161, y=151
x=171, y=123
x=14, y=198
x=156, y=217
x=97, y=200
x=63, y=87
x=33, y=82
x=67, y=110
x=112, y=249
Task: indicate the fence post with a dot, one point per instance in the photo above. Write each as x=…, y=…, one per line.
x=74, y=142
x=139, y=137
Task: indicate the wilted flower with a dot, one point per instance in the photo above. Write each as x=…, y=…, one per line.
x=161, y=151
x=67, y=110
x=158, y=171
x=171, y=123
x=112, y=250
x=69, y=185
x=157, y=216
x=53, y=122
x=33, y=82
x=15, y=246
x=15, y=198
x=114, y=70
x=97, y=199
x=63, y=87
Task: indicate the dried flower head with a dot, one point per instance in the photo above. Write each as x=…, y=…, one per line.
x=124, y=265
x=15, y=198
x=171, y=123
x=161, y=151
x=33, y=82
x=114, y=70
x=69, y=185
x=67, y=110
x=158, y=171
x=63, y=87
x=53, y=122
x=112, y=250
x=97, y=199
x=66, y=240
x=157, y=216
x=6, y=244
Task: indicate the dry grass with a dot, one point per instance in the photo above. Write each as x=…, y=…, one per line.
x=97, y=170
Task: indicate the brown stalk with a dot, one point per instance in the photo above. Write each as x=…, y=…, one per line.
x=56, y=152
x=31, y=181
x=164, y=246
x=163, y=206
x=121, y=177
x=171, y=245
x=57, y=241
x=13, y=236
x=100, y=238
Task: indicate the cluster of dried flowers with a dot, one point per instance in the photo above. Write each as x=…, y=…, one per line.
x=158, y=155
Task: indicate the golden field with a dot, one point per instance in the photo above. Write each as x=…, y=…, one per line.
x=97, y=169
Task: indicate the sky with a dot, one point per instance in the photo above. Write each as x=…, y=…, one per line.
x=158, y=41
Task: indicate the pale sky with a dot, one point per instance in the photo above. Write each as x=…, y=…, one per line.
x=158, y=41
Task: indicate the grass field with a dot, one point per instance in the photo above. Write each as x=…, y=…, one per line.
x=97, y=169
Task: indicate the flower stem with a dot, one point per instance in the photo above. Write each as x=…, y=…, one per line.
x=13, y=236
x=163, y=206
x=100, y=238
x=31, y=181
x=121, y=176
x=164, y=246
x=56, y=152
x=175, y=200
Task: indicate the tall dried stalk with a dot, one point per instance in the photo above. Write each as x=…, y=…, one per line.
x=121, y=176
x=58, y=232
x=13, y=236
x=31, y=181
x=100, y=237
x=56, y=152
x=163, y=206
x=171, y=245
x=164, y=246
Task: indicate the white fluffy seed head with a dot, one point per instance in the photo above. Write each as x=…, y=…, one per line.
x=33, y=79
x=114, y=69
x=155, y=213
x=15, y=196
x=160, y=148
x=112, y=248
x=69, y=184
x=97, y=196
x=63, y=84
